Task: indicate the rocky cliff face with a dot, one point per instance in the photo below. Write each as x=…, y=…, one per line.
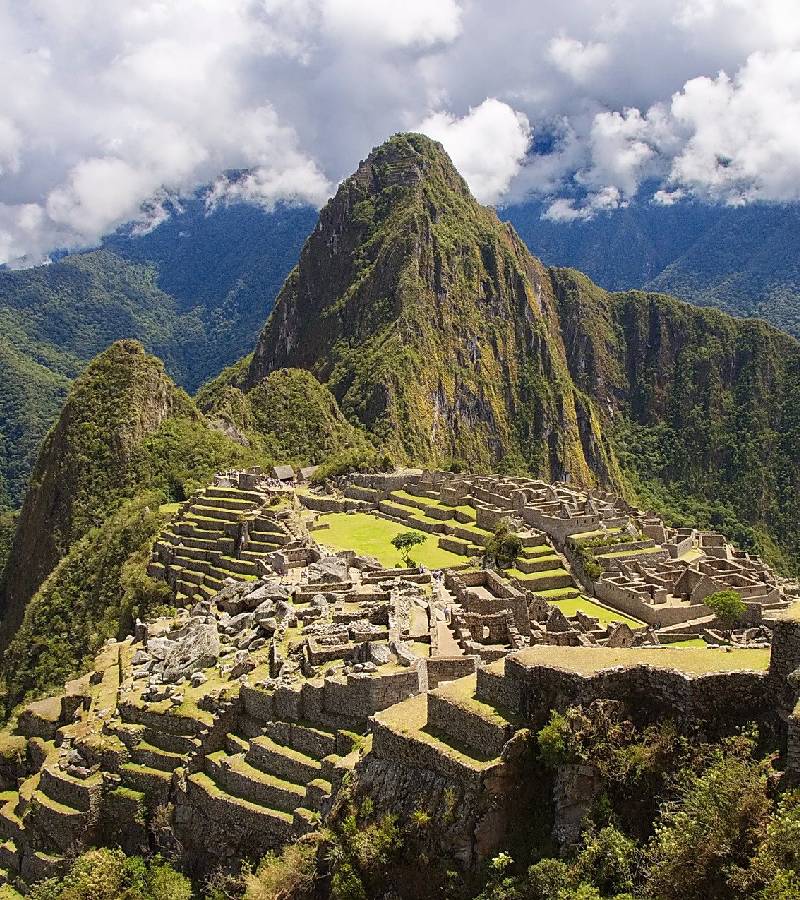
x=432, y=325
x=84, y=466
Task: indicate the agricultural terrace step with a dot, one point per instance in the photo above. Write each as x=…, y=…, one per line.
x=223, y=807
x=277, y=759
x=235, y=744
x=267, y=526
x=401, y=734
x=174, y=723
x=145, y=754
x=318, y=792
x=198, y=543
x=536, y=550
x=312, y=741
x=266, y=542
x=236, y=776
x=232, y=504
x=550, y=579
x=9, y=861
x=236, y=493
x=539, y=564
x=10, y=822
x=454, y=710
x=153, y=783
x=214, y=529
x=213, y=512
x=171, y=743
x=171, y=539
x=193, y=529
x=184, y=550
x=256, y=555
x=71, y=792
x=61, y=825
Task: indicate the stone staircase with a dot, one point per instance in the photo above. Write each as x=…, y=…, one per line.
x=221, y=533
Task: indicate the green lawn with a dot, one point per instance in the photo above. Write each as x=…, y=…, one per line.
x=571, y=605
x=691, y=660
x=372, y=536
x=689, y=642
x=169, y=509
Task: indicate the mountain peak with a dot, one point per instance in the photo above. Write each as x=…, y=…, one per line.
x=406, y=160
x=431, y=323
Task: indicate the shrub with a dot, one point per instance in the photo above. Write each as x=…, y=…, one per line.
x=705, y=839
x=609, y=860
x=290, y=874
x=553, y=741
x=727, y=606
x=549, y=879
x=503, y=548
x=350, y=461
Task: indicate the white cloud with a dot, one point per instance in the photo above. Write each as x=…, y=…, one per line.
x=567, y=210
x=578, y=60
x=487, y=145
x=743, y=132
x=420, y=23
x=115, y=104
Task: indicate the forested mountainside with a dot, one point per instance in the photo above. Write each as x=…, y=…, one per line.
x=702, y=409
x=195, y=290
x=741, y=259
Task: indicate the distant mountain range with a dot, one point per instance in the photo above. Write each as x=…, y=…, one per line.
x=197, y=288
x=744, y=260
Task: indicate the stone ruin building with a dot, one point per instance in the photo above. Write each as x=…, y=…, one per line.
x=225, y=730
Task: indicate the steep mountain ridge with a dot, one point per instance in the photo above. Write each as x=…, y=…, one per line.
x=85, y=464
x=432, y=325
x=703, y=409
x=195, y=290
x=436, y=329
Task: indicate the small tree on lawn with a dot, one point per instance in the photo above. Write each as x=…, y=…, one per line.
x=727, y=606
x=405, y=542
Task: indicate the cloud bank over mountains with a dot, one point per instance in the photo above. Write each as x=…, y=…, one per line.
x=111, y=108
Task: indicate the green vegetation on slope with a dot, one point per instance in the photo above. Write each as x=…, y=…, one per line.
x=289, y=415
x=30, y=397
x=94, y=593
x=109, y=875
x=704, y=409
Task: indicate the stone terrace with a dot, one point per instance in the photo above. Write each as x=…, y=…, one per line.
x=285, y=667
